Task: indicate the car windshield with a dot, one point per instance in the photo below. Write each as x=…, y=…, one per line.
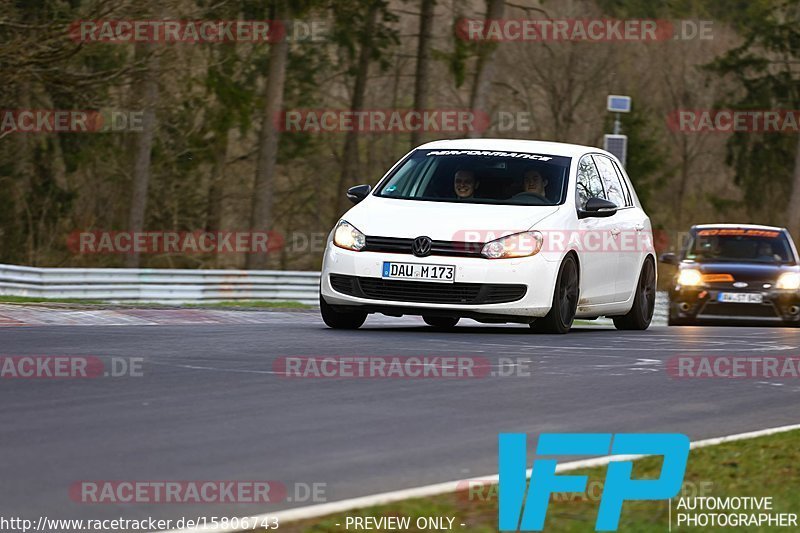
x=740, y=245
x=480, y=177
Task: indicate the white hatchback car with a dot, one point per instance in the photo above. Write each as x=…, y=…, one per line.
x=495, y=230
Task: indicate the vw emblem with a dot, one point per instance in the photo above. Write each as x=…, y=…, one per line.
x=421, y=246
x=740, y=284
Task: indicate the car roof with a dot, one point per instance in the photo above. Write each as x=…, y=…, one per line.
x=513, y=145
x=738, y=226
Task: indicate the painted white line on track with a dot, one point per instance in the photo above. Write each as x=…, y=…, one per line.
x=325, y=509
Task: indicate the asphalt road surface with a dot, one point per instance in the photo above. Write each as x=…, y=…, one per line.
x=209, y=405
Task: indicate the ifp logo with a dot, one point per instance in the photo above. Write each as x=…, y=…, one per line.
x=518, y=513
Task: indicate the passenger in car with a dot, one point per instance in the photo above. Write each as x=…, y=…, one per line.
x=465, y=184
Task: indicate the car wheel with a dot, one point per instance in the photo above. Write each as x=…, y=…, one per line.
x=441, y=322
x=644, y=301
x=338, y=320
x=565, y=301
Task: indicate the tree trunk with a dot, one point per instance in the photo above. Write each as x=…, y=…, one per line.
x=793, y=209
x=261, y=214
x=350, y=160
x=422, y=79
x=484, y=74
x=216, y=188
x=143, y=145
x=23, y=169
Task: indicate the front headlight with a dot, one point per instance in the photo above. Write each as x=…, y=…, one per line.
x=789, y=280
x=690, y=277
x=348, y=237
x=518, y=245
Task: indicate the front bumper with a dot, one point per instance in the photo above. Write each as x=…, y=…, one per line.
x=702, y=304
x=495, y=277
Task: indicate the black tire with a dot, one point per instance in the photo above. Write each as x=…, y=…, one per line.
x=338, y=320
x=644, y=301
x=565, y=301
x=441, y=322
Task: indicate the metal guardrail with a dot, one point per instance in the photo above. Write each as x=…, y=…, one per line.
x=159, y=285
x=661, y=311
x=181, y=286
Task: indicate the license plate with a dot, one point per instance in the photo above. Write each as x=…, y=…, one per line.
x=415, y=271
x=741, y=297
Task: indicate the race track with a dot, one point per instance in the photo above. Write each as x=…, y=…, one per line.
x=210, y=406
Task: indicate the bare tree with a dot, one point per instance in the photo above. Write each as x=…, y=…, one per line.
x=422, y=79
x=350, y=159
x=215, y=188
x=485, y=72
x=261, y=214
x=793, y=210
x=143, y=146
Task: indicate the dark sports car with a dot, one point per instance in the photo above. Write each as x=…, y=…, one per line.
x=731, y=272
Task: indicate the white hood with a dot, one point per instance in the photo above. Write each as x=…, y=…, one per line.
x=446, y=221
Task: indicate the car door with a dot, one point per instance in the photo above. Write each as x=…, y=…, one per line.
x=598, y=262
x=632, y=223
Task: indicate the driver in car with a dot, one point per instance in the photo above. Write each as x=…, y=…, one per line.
x=534, y=183
x=766, y=253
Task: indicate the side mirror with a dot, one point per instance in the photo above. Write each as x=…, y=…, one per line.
x=358, y=193
x=598, y=207
x=669, y=258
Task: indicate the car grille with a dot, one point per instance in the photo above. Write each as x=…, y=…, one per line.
x=742, y=310
x=729, y=286
x=427, y=292
x=403, y=246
